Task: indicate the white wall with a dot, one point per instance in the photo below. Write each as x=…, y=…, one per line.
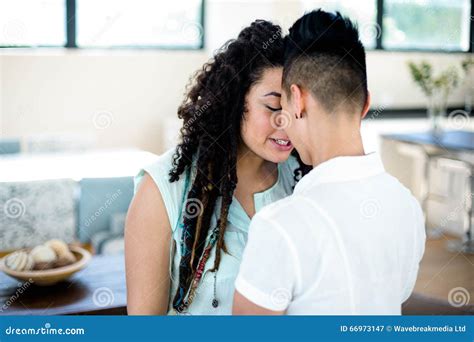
x=119, y=99
x=390, y=82
x=59, y=91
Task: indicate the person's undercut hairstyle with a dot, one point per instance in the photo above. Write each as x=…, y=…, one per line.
x=324, y=55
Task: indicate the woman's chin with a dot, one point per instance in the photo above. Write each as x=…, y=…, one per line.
x=276, y=155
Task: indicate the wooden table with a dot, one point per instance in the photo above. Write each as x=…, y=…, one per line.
x=440, y=273
x=98, y=289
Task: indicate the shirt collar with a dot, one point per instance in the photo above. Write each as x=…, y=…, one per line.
x=342, y=169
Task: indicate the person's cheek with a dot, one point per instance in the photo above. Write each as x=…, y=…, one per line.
x=290, y=131
x=257, y=129
x=247, y=133
x=266, y=128
x=286, y=122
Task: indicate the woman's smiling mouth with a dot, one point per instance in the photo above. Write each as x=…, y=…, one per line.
x=282, y=144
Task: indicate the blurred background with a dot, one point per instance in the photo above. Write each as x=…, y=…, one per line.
x=89, y=92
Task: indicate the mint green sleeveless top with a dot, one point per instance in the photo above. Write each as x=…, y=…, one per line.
x=174, y=194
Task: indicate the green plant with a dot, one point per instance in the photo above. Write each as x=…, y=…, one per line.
x=467, y=64
x=422, y=74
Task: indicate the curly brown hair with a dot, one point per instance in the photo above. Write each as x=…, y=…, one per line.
x=212, y=113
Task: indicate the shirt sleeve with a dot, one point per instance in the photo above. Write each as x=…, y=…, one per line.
x=419, y=250
x=268, y=273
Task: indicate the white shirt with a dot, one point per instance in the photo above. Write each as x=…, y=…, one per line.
x=348, y=241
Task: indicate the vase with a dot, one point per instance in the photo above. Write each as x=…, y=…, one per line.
x=436, y=110
x=469, y=97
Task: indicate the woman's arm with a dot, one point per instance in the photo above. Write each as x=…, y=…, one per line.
x=147, y=246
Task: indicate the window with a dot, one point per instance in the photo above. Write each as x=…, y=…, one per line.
x=440, y=25
x=32, y=23
x=102, y=23
x=434, y=24
x=148, y=23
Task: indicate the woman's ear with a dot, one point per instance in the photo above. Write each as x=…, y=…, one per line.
x=365, y=110
x=298, y=101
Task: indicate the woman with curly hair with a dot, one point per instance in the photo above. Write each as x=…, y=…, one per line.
x=187, y=225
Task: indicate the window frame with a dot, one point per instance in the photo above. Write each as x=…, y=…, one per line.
x=379, y=39
x=71, y=35
x=72, y=44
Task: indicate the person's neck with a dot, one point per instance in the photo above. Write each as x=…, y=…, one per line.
x=339, y=141
x=251, y=165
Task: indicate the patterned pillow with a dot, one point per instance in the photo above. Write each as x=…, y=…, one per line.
x=33, y=212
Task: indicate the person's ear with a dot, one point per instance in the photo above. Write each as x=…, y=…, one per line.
x=298, y=101
x=366, y=106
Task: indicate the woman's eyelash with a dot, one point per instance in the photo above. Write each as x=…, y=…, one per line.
x=272, y=109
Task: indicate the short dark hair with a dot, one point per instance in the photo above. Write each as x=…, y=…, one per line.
x=323, y=53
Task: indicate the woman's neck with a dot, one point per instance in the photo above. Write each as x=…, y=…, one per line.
x=253, y=168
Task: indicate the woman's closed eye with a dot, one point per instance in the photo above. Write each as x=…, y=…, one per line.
x=272, y=108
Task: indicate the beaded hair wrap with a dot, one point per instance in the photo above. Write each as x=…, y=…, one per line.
x=185, y=298
x=200, y=271
x=188, y=298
